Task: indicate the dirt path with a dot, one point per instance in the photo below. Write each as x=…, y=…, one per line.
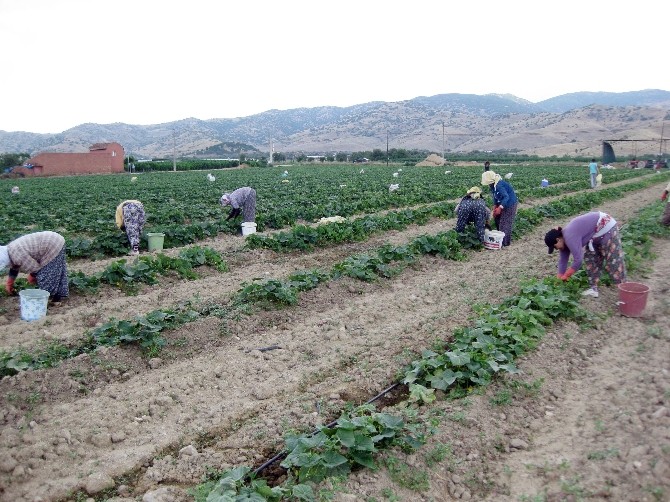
x=114, y=420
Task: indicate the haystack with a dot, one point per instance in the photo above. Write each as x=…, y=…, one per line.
x=432, y=160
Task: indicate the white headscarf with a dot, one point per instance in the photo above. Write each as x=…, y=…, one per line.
x=225, y=199
x=489, y=177
x=4, y=258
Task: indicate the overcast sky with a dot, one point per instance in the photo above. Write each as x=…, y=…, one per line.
x=68, y=62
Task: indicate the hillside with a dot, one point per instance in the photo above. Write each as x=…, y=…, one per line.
x=565, y=125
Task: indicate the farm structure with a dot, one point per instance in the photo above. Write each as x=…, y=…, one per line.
x=102, y=158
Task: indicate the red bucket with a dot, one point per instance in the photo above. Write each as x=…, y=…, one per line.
x=632, y=298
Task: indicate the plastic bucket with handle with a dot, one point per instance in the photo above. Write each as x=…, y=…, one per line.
x=493, y=239
x=248, y=228
x=33, y=303
x=155, y=241
x=632, y=298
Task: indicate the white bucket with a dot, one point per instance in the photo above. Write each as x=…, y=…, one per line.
x=33, y=304
x=493, y=239
x=248, y=228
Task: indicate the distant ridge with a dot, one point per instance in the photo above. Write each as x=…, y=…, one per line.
x=564, y=125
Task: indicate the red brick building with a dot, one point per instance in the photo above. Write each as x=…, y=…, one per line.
x=102, y=158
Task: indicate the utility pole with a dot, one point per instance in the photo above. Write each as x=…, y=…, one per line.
x=174, y=150
x=443, y=141
x=387, y=147
x=660, y=143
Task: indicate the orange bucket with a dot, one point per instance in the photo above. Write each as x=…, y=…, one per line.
x=632, y=298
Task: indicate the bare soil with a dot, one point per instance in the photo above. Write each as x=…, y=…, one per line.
x=588, y=418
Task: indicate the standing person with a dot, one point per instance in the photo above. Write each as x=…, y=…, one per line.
x=505, y=204
x=487, y=166
x=241, y=200
x=599, y=233
x=472, y=209
x=593, y=171
x=130, y=217
x=41, y=255
x=665, y=219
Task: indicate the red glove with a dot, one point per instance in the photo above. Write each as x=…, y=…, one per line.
x=497, y=210
x=665, y=195
x=9, y=286
x=568, y=274
x=32, y=279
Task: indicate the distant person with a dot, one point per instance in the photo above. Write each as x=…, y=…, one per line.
x=472, y=209
x=130, y=217
x=487, y=166
x=593, y=238
x=505, y=204
x=593, y=171
x=665, y=219
x=242, y=200
x=41, y=255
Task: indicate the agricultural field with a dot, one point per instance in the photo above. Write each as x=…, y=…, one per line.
x=383, y=357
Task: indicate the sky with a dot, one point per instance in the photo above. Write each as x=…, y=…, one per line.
x=142, y=62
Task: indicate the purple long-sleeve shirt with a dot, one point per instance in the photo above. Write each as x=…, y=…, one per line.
x=576, y=235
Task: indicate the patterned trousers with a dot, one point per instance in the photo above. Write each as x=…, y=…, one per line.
x=505, y=223
x=133, y=221
x=608, y=254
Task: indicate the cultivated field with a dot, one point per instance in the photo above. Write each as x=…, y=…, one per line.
x=159, y=377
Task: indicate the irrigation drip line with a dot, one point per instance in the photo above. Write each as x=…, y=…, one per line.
x=283, y=453
x=265, y=349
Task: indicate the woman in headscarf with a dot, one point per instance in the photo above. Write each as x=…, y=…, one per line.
x=472, y=209
x=41, y=255
x=505, y=203
x=242, y=200
x=599, y=233
x=131, y=218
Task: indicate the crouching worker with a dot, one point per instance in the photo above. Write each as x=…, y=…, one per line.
x=242, y=200
x=130, y=218
x=41, y=255
x=594, y=238
x=472, y=209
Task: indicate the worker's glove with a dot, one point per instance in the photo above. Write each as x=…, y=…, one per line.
x=9, y=286
x=665, y=195
x=568, y=273
x=32, y=279
x=497, y=210
x=234, y=213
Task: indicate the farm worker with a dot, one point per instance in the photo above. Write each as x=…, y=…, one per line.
x=597, y=232
x=665, y=219
x=42, y=256
x=487, y=166
x=593, y=171
x=472, y=209
x=505, y=204
x=241, y=200
x=130, y=217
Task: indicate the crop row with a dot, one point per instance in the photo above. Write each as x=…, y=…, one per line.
x=185, y=207
x=386, y=262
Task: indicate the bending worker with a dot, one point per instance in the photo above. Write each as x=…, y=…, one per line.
x=472, y=209
x=599, y=233
x=41, y=255
x=242, y=200
x=665, y=219
x=505, y=204
x=130, y=217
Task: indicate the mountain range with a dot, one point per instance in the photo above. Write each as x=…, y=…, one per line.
x=570, y=124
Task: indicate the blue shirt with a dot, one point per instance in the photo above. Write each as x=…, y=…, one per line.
x=593, y=168
x=503, y=194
